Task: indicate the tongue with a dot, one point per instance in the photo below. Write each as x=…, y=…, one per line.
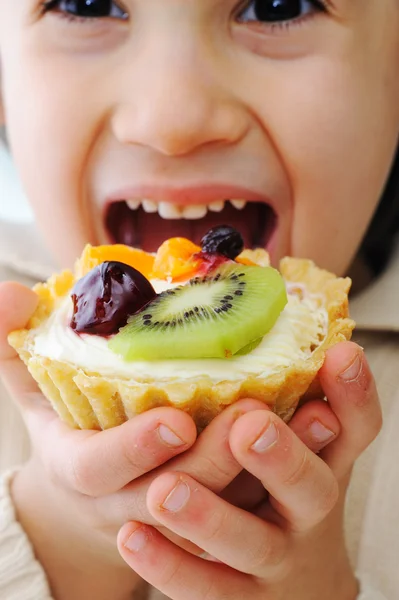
x=148, y=231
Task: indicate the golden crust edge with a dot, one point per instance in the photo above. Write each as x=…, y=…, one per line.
x=91, y=401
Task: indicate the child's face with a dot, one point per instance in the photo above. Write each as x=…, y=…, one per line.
x=188, y=102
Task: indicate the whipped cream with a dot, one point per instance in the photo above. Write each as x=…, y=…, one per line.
x=300, y=328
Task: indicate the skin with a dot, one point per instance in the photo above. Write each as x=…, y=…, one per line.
x=273, y=110
x=77, y=492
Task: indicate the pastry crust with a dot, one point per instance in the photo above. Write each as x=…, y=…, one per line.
x=88, y=400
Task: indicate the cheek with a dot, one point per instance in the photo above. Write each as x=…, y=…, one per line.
x=335, y=128
x=52, y=119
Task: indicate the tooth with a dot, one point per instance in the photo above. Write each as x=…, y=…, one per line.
x=239, y=204
x=194, y=211
x=217, y=206
x=149, y=206
x=167, y=210
x=133, y=204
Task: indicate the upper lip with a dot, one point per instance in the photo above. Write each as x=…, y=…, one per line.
x=193, y=194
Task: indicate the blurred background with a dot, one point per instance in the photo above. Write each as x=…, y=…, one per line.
x=13, y=204
x=21, y=246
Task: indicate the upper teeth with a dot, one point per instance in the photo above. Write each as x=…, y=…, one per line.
x=167, y=210
x=133, y=204
x=150, y=206
x=218, y=206
x=238, y=204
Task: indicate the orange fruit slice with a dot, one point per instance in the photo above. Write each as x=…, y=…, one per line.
x=245, y=261
x=95, y=255
x=175, y=260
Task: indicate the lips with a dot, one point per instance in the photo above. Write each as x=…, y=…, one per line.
x=147, y=223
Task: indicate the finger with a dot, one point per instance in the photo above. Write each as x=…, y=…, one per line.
x=352, y=394
x=209, y=461
x=302, y=486
x=316, y=425
x=17, y=304
x=97, y=463
x=92, y=463
x=176, y=573
x=237, y=538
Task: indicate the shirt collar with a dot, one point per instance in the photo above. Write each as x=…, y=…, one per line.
x=377, y=307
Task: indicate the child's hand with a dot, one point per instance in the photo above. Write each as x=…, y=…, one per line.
x=86, y=485
x=291, y=545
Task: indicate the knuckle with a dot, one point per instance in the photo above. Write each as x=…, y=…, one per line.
x=268, y=554
x=372, y=425
x=82, y=475
x=170, y=571
x=376, y=423
x=130, y=454
x=215, y=473
x=328, y=498
x=216, y=525
x=213, y=591
x=139, y=456
x=301, y=470
x=324, y=501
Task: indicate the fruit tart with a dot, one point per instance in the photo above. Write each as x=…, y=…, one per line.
x=197, y=328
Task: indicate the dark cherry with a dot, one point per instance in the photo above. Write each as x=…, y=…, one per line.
x=223, y=240
x=105, y=298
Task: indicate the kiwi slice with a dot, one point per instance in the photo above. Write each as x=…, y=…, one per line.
x=209, y=317
x=249, y=347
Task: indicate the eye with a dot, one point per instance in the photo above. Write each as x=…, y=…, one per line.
x=87, y=9
x=274, y=11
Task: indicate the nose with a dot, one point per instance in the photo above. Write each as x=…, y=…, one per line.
x=174, y=103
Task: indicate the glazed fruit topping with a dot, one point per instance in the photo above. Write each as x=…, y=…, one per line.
x=176, y=259
x=215, y=316
x=223, y=240
x=95, y=255
x=107, y=296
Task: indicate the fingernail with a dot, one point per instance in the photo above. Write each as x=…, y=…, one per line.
x=169, y=437
x=320, y=433
x=177, y=498
x=352, y=371
x=267, y=439
x=137, y=540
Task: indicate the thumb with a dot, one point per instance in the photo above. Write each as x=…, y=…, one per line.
x=17, y=304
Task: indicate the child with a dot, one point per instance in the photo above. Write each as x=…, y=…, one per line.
x=292, y=106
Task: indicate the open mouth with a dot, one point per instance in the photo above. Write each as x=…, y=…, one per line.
x=146, y=223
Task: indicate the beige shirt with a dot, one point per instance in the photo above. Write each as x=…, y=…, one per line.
x=373, y=503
